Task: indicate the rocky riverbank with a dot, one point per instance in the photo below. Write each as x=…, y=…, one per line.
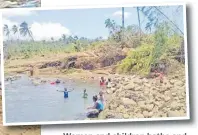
x=135, y=97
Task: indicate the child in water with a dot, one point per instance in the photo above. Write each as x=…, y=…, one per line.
x=66, y=95
x=98, y=106
x=101, y=97
x=85, y=95
x=108, y=83
x=102, y=81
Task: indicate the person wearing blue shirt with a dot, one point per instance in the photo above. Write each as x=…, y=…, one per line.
x=66, y=95
x=98, y=105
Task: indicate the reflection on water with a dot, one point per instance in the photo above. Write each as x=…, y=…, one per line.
x=26, y=102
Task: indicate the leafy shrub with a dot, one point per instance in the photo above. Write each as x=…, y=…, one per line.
x=137, y=60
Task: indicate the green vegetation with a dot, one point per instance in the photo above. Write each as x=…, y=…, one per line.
x=160, y=43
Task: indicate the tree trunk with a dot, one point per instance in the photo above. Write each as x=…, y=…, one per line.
x=122, y=24
x=122, y=17
x=138, y=13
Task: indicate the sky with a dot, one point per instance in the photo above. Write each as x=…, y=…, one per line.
x=81, y=22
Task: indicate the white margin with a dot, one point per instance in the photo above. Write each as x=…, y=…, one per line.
x=107, y=120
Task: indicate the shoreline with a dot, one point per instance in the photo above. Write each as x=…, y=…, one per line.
x=132, y=96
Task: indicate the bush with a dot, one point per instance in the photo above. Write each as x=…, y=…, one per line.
x=137, y=61
x=154, y=49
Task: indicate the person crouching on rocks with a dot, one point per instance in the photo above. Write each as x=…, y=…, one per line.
x=98, y=107
x=160, y=75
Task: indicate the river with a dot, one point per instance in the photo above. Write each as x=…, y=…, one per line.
x=26, y=102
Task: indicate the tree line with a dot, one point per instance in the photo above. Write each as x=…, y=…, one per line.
x=154, y=15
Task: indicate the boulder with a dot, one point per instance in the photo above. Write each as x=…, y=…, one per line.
x=127, y=101
x=130, y=86
x=176, y=114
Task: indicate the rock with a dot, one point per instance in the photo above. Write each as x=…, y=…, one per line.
x=179, y=83
x=113, y=89
x=175, y=114
x=113, y=85
x=146, y=114
x=147, y=85
x=126, y=116
x=172, y=82
x=138, y=88
x=151, y=114
x=141, y=103
x=146, y=92
x=166, y=98
x=109, y=91
x=36, y=83
x=120, y=108
x=149, y=107
x=174, y=105
x=137, y=81
x=130, y=86
x=113, y=106
x=174, y=94
x=138, y=115
x=127, y=101
x=125, y=83
x=183, y=94
x=145, y=80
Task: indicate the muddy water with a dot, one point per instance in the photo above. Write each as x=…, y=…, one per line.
x=26, y=102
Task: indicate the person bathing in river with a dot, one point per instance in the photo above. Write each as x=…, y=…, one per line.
x=85, y=95
x=57, y=81
x=66, y=95
x=98, y=108
x=101, y=97
x=108, y=83
x=102, y=81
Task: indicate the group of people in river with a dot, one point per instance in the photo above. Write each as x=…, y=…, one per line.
x=98, y=100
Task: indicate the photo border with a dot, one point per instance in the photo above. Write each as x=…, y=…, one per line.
x=187, y=117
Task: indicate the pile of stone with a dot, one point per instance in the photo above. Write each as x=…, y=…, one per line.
x=135, y=97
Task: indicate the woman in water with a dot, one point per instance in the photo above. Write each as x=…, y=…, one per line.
x=98, y=107
x=66, y=95
x=102, y=82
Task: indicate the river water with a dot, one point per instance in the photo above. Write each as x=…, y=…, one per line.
x=25, y=102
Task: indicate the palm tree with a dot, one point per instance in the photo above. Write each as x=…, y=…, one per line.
x=122, y=17
x=75, y=39
x=6, y=30
x=122, y=22
x=52, y=39
x=64, y=37
x=70, y=39
x=15, y=30
x=139, y=22
x=25, y=30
